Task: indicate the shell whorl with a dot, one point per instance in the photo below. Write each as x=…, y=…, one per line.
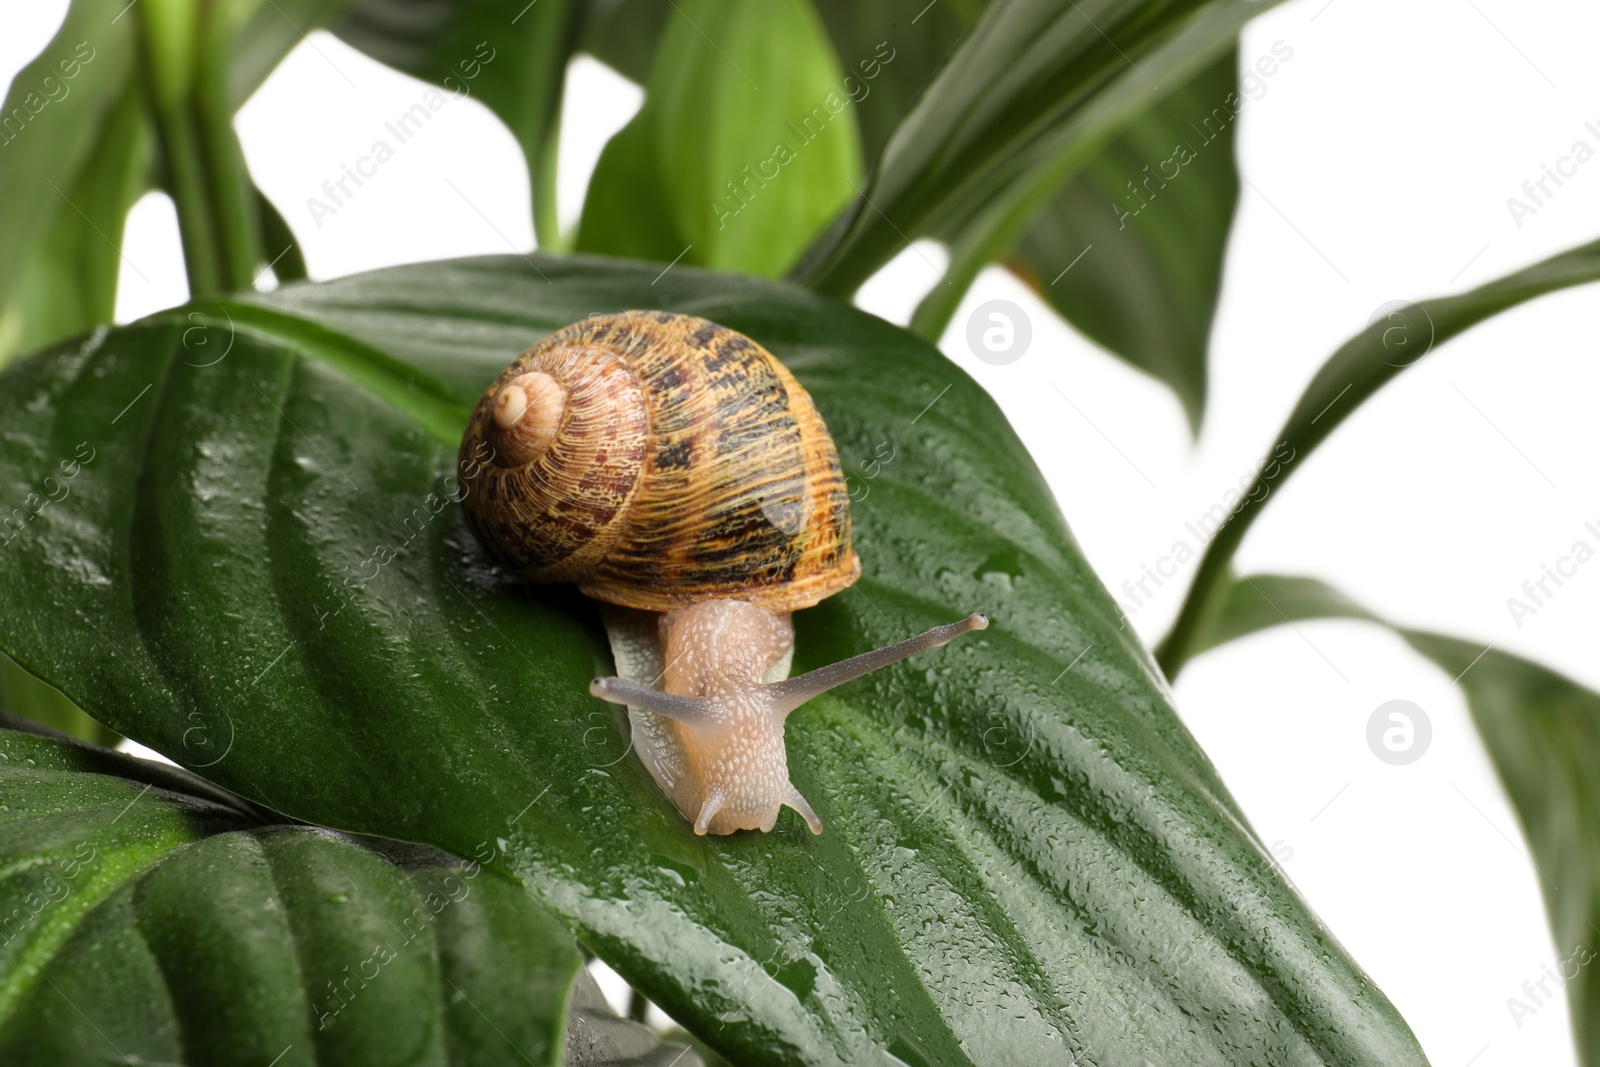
x=568, y=434
x=659, y=460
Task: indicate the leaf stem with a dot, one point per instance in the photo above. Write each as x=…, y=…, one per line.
x=185, y=50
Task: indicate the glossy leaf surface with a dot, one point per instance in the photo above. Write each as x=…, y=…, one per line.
x=151, y=918
x=1026, y=855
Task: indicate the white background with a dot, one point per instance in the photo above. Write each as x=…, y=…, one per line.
x=1380, y=158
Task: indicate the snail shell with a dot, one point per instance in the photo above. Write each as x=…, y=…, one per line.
x=659, y=460
x=676, y=470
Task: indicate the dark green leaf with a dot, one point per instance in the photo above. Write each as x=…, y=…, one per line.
x=747, y=140
x=1031, y=94
x=510, y=55
x=287, y=261
x=1542, y=731
x=1262, y=601
x=1026, y=854
x=150, y=918
x=1361, y=366
x=890, y=50
x=1150, y=219
x=624, y=34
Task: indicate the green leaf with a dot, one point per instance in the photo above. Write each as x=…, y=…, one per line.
x=888, y=49
x=1262, y=601
x=71, y=283
x=624, y=34
x=746, y=139
x=71, y=148
x=1542, y=731
x=1026, y=852
x=23, y=695
x=624, y=215
x=77, y=150
x=1031, y=94
x=510, y=55
x=288, y=262
x=261, y=34
x=1360, y=367
x=1149, y=218
x=151, y=918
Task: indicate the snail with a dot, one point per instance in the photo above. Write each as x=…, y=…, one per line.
x=675, y=471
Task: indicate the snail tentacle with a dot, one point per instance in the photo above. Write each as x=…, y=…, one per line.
x=798, y=803
x=708, y=810
x=788, y=695
x=693, y=711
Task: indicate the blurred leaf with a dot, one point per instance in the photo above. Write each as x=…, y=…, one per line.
x=624, y=34
x=25, y=696
x=71, y=285
x=1031, y=94
x=599, y=1037
x=261, y=34
x=77, y=150
x=914, y=35
x=288, y=263
x=746, y=136
x=510, y=55
x=1027, y=857
x=1149, y=218
x=1542, y=731
x=1392, y=342
x=624, y=214
x=71, y=147
x=1262, y=601
x=890, y=50
x=149, y=918
x=1149, y=290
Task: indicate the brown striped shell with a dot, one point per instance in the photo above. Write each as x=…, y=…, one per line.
x=659, y=460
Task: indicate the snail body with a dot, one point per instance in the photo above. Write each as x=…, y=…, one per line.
x=675, y=470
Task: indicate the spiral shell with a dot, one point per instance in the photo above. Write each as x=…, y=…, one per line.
x=658, y=460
